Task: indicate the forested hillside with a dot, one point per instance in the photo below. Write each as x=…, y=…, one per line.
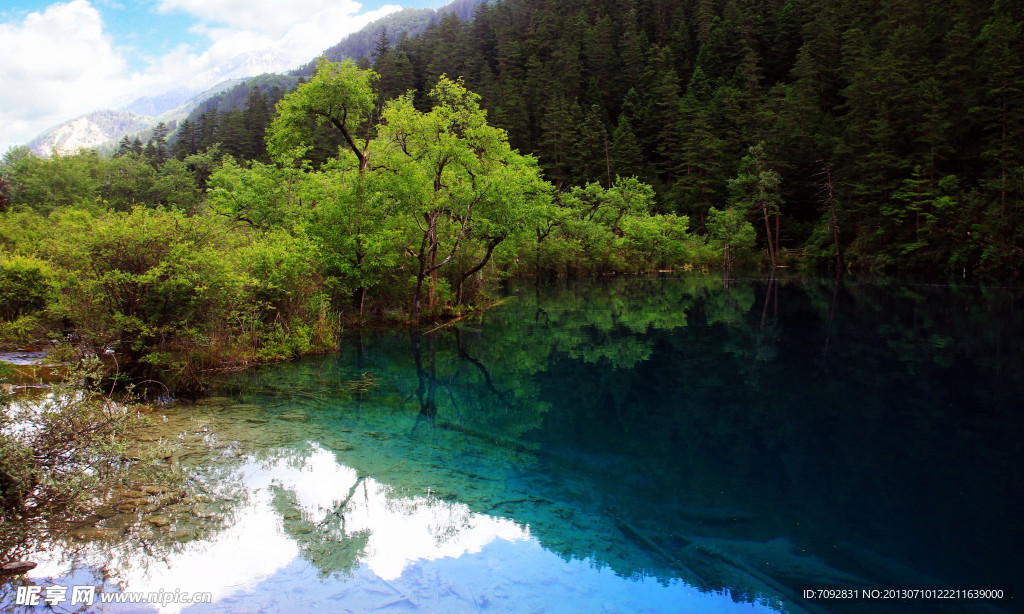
x=901, y=120
x=888, y=135
x=407, y=23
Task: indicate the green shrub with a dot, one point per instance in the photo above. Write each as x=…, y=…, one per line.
x=27, y=286
x=149, y=283
x=58, y=450
x=22, y=330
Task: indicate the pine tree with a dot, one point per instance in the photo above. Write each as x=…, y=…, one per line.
x=756, y=188
x=1001, y=59
x=124, y=146
x=627, y=158
x=556, y=149
x=255, y=119
x=591, y=150
x=187, y=141
x=208, y=130
x=601, y=61
x=665, y=112
x=233, y=135
x=160, y=144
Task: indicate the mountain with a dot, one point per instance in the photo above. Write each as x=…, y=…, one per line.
x=236, y=96
x=102, y=129
x=240, y=67
x=409, y=23
x=96, y=130
x=88, y=131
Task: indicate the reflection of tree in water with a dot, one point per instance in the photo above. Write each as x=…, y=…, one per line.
x=326, y=544
x=456, y=518
x=685, y=427
x=154, y=516
x=326, y=538
x=771, y=435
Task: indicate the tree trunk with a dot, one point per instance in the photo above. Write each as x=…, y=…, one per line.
x=421, y=274
x=768, y=230
x=607, y=160
x=462, y=279
x=835, y=237
x=778, y=230
x=433, y=268
x=1002, y=164
x=830, y=187
x=414, y=311
x=358, y=298
x=427, y=380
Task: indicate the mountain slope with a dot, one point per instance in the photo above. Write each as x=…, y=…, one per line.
x=88, y=131
x=102, y=130
x=240, y=67
x=98, y=129
x=407, y=22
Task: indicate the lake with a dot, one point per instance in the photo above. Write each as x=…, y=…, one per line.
x=670, y=443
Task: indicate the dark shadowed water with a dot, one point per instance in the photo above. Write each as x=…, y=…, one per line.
x=653, y=444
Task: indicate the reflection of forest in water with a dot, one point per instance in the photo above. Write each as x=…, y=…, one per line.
x=752, y=435
x=756, y=436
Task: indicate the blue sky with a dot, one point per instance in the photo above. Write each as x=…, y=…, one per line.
x=59, y=60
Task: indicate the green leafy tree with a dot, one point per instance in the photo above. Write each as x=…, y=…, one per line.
x=127, y=181
x=260, y=195
x=27, y=286
x=756, y=188
x=732, y=233
x=447, y=169
x=354, y=224
x=175, y=187
x=340, y=95
x=45, y=184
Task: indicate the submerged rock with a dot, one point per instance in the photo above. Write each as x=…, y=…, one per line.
x=133, y=494
x=202, y=512
x=93, y=533
x=143, y=506
x=159, y=521
x=154, y=489
x=17, y=568
x=215, y=401
x=185, y=535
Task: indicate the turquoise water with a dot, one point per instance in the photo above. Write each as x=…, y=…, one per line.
x=654, y=444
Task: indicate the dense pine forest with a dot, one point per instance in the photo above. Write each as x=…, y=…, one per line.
x=895, y=128
x=536, y=138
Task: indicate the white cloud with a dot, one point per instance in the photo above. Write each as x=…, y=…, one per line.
x=61, y=63
x=300, y=28
x=55, y=65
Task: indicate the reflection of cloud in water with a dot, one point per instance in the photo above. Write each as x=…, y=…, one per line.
x=422, y=553
x=234, y=560
x=255, y=547
x=401, y=529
